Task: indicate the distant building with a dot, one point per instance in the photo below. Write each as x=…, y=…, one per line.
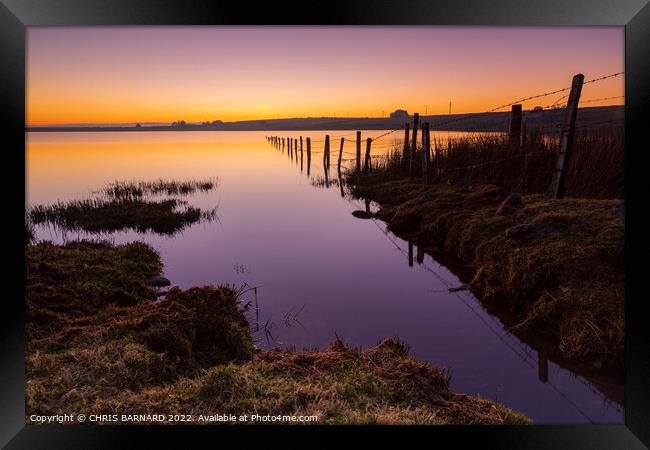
x=399, y=114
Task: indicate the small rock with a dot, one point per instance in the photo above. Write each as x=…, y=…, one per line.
x=359, y=214
x=158, y=281
x=510, y=205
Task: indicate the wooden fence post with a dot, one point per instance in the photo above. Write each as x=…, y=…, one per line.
x=326, y=151
x=414, y=142
x=425, y=152
x=358, y=151
x=410, y=254
x=405, y=153
x=366, y=163
x=308, y=155
x=514, y=131
x=340, y=156
x=558, y=182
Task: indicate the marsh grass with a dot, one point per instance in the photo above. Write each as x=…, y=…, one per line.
x=98, y=342
x=101, y=215
x=139, y=189
x=596, y=168
x=564, y=278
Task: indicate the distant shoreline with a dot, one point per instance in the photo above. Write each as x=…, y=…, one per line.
x=488, y=122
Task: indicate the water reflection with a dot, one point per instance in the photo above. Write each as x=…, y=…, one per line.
x=302, y=248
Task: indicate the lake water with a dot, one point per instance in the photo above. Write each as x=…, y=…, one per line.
x=321, y=272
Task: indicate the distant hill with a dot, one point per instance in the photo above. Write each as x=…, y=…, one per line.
x=498, y=121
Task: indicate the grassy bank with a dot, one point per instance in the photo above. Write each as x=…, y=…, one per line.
x=99, y=342
x=558, y=264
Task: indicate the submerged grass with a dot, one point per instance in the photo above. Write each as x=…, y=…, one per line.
x=559, y=264
x=98, y=342
x=109, y=215
x=132, y=189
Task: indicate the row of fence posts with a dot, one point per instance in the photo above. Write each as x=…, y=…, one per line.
x=558, y=181
x=291, y=144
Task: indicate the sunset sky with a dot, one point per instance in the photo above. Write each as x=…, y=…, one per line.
x=162, y=74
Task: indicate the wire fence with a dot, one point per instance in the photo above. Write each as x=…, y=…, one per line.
x=483, y=151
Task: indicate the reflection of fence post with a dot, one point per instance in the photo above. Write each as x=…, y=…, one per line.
x=414, y=142
x=542, y=367
x=326, y=152
x=419, y=256
x=340, y=156
x=301, y=148
x=514, y=131
x=358, y=151
x=556, y=189
x=425, y=152
x=366, y=163
x=308, y=155
x=405, y=153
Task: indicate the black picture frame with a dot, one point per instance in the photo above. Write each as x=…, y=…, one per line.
x=16, y=15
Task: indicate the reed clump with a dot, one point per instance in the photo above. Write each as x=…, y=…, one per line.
x=139, y=189
x=101, y=215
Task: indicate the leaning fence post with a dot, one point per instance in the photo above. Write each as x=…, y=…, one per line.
x=416, y=117
x=366, y=164
x=425, y=152
x=308, y=155
x=556, y=189
x=340, y=156
x=514, y=131
x=358, y=151
x=326, y=152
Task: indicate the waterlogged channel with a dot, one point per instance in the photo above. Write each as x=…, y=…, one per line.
x=320, y=272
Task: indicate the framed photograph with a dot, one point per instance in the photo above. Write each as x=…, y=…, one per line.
x=388, y=218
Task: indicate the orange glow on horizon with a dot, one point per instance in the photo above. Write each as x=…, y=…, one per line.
x=110, y=75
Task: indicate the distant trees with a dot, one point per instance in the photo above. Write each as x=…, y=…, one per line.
x=137, y=125
x=179, y=124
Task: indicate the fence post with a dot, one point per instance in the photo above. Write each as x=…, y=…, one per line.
x=556, y=189
x=425, y=152
x=410, y=254
x=308, y=155
x=405, y=153
x=340, y=156
x=414, y=142
x=515, y=126
x=366, y=163
x=301, y=147
x=326, y=152
x=358, y=151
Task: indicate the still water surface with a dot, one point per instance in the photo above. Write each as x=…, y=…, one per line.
x=321, y=272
